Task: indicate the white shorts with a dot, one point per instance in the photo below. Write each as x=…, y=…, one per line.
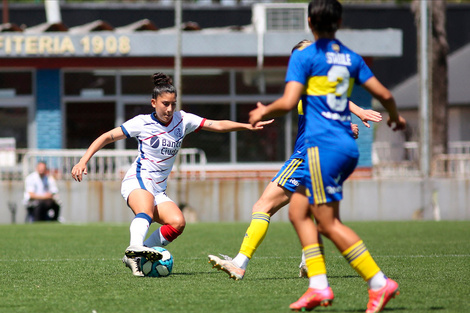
x=129, y=184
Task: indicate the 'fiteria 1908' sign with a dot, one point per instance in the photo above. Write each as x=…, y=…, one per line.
x=73, y=45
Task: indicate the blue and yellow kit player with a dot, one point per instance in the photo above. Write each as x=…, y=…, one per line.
x=278, y=193
x=323, y=75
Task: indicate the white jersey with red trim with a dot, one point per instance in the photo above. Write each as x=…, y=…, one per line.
x=158, y=146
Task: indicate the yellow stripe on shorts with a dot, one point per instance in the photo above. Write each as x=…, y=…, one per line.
x=293, y=165
x=315, y=175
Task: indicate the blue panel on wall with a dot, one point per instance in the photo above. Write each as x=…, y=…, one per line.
x=366, y=136
x=48, y=109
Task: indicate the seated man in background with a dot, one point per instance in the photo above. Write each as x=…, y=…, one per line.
x=40, y=192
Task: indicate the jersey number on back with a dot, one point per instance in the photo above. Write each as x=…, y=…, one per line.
x=339, y=99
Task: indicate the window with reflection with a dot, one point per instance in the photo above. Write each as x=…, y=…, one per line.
x=275, y=81
x=248, y=82
x=215, y=145
x=211, y=82
x=16, y=83
x=267, y=145
x=137, y=84
x=86, y=121
x=14, y=123
x=88, y=84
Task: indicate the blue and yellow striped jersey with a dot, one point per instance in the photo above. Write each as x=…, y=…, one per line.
x=328, y=70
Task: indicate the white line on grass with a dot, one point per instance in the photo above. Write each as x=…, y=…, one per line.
x=263, y=257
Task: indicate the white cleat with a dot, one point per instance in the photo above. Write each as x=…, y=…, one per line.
x=303, y=272
x=150, y=254
x=227, y=266
x=133, y=264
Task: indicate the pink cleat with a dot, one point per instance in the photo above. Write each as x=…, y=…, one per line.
x=313, y=298
x=379, y=298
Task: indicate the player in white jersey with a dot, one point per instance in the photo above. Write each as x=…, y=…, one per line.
x=160, y=135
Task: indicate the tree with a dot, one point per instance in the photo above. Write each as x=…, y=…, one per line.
x=439, y=79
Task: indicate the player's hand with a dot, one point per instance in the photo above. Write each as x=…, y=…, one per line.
x=397, y=124
x=78, y=170
x=355, y=130
x=370, y=116
x=257, y=114
x=260, y=125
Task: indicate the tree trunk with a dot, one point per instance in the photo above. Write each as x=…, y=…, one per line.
x=439, y=80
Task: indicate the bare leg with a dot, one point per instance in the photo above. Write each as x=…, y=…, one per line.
x=141, y=201
x=300, y=217
x=330, y=225
x=169, y=213
x=273, y=198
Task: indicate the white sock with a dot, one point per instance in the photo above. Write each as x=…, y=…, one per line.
x=156, y=239
x=138, y=229
x=318, y=281
x=241, y=261
x=378, y=281
x=303, y=258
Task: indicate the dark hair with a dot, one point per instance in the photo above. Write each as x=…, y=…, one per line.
x=301, y=45
x=325, y=15
x=163, y=84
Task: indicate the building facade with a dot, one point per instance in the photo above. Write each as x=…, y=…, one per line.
x=61, y=87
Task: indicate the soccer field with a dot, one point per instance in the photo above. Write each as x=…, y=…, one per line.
x=78, y=268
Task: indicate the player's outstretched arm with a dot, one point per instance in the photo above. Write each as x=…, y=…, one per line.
x=281, y=106
x=395, y=120
x=366, y=116
x=223, y=126
x=113, y=135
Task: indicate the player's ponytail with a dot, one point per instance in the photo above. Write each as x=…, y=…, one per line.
x=163, y=84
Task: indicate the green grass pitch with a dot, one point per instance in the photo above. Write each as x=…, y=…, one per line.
x=48, y=267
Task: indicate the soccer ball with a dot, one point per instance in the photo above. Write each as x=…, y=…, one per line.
x=158, y=268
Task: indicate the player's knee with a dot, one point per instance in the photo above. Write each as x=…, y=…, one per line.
x=327, y=229
x=323, y=230
x=178, y=222
x=294, y=216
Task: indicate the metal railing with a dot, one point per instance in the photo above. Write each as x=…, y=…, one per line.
x=393, y=161
x=451, y=165
x=388, y=161
x=109, y=164
x=458, y=147
x=454, y=164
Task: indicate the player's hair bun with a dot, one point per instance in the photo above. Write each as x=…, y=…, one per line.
x=163, y=84
x=160, y=79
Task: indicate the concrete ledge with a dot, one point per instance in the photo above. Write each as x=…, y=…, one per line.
x=232, y=200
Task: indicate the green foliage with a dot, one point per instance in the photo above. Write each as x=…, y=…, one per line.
x=77, y=268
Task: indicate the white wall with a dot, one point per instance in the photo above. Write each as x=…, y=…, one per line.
x=231, y=200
